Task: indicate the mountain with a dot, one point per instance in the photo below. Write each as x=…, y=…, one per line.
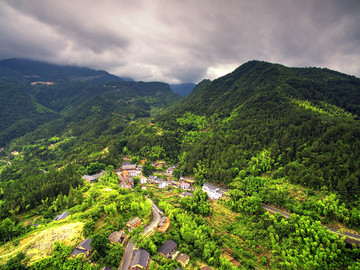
x=40, y=71
x=34, y=93
x=258, y=81
x=183, y=89
x=305, y=119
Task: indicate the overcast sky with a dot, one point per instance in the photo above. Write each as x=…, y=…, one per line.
x=184, y=40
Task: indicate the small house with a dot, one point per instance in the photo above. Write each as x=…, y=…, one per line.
x=61, y=216
x=157, y=181
x=117, y=237
x=143, y=180
x=140, y=260
x=90, y=178
x=167, y=249
x=152, y=178
x=170, y=170
x=126, y=166
x=183, y=259
x=164, y=224
x=175, y=184
x=186, y=194
x=133, y=172
x=133, y=223
x=213, y=191
x=95, y=177
x=184, y=185
x=83, y=248
x=163, y=184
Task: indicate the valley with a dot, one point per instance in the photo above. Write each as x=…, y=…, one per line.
x=258, y=169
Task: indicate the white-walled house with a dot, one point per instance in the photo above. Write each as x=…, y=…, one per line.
x=185, y=185
x=143, y=180
x=163, y=184
x=213, y=191
x=170, y=170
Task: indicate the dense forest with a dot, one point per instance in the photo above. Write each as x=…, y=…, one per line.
x=263, y=131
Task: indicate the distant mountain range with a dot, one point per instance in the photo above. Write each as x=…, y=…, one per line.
x=33, y=93
x=182, y=89
x=40, y=71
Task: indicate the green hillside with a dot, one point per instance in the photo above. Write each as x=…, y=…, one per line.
x=19, y=112
x=305, y=118
x=34, y=93
x=270, y=134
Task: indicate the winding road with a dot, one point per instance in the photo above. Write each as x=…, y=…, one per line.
x=286, y=215
x=130, y=247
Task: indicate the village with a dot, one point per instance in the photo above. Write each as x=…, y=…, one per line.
x=130, y=175
x=128, y=172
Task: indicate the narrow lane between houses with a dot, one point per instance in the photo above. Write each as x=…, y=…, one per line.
x=130, y=247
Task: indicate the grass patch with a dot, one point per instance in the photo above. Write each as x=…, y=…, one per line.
x=38, y=245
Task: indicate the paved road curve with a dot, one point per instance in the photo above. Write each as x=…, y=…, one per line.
x=286, y=215
x=130, y=247
x=156, y=218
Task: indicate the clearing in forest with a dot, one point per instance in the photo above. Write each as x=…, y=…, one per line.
x=39, y=244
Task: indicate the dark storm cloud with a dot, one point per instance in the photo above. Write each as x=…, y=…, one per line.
x=180, y=41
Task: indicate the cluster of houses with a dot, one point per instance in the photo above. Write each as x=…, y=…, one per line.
x=183, y=183
x=131, y=170
x=141, y=258
x=127, y=171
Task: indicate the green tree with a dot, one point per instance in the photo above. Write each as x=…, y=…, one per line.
x=148, y=169
x=114, y=255
x=94, y=167
x=100, y=243
x=89, y=228
x=176, y=173
x=15, y=263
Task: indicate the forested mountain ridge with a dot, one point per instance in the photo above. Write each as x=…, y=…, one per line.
x=256, y=80
x=306, y=118
x=41, y=71
x=33, y=93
